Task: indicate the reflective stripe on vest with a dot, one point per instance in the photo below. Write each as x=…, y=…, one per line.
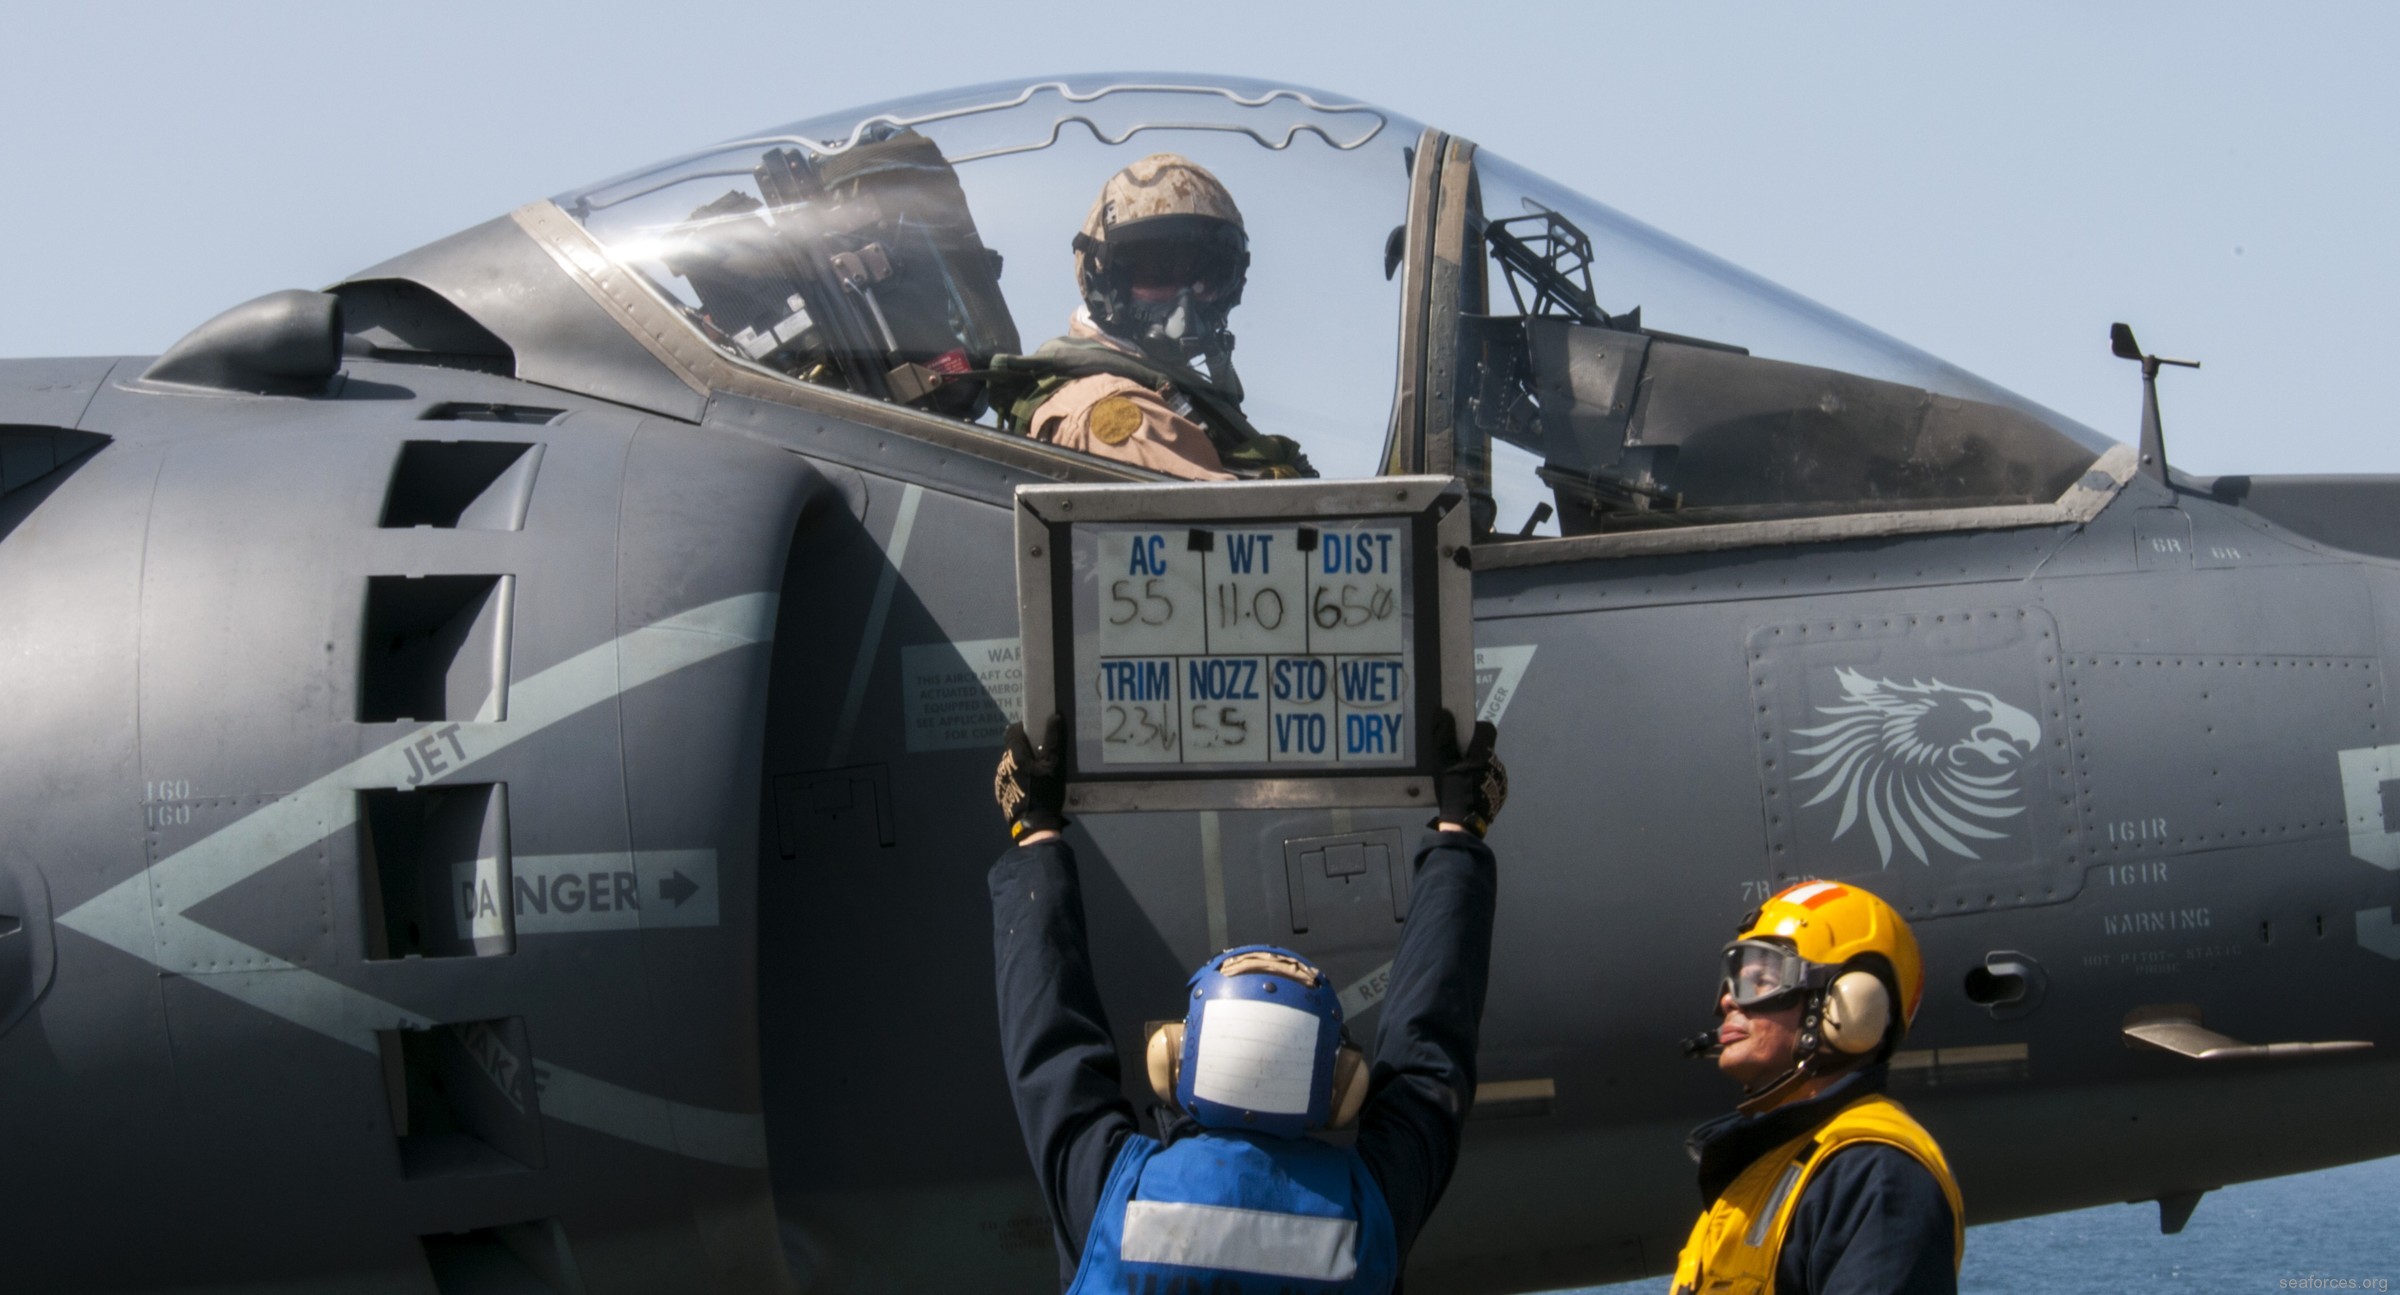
x=1734, y=1246
x=1250, y=1241
x=1242, y=1214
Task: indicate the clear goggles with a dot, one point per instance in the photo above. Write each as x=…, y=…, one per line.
x=1761, y=974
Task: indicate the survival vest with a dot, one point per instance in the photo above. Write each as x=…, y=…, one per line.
x=1733, y=1248
x=1022, y=384
x=1233, y=1213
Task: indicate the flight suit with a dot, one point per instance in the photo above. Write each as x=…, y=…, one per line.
x=1841, y=1194
x=1091, y=392
x=1118, y=418
x=1080, y=1131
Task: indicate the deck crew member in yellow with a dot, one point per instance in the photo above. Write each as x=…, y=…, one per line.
x=1818, y=1184
x=1161, y=262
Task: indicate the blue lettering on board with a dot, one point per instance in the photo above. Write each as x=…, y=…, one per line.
x=1300, y=680
x=1370, y=735
x=1221, y=679
x=1370, y=682
x=1357, y=555
x=1137, y=680
x=1300, y=735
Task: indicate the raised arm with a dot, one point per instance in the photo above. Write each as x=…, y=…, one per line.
x=1054, y=1038
x=1423, y=1079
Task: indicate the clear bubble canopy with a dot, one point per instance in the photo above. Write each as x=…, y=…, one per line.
x=899, y=251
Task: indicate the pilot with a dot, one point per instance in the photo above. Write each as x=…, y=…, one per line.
x=1161, y=263
x=1818, y=1183
x=1233, y=1195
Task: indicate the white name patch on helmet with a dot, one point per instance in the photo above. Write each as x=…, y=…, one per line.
x=1256, y=1056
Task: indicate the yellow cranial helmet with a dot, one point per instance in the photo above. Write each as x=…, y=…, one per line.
x=1805, y=943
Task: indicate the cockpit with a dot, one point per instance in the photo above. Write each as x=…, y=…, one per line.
x=1413, y=303
x=898, y=251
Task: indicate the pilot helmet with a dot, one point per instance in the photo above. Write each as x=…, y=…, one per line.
x=1846, y=956
x=1162, y=258
x=1260, y=1047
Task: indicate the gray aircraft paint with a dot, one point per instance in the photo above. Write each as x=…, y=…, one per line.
x=144, y=915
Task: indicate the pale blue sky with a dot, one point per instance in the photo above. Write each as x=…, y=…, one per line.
x=1993, y=183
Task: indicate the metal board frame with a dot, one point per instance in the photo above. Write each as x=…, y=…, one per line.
x=1443, y=592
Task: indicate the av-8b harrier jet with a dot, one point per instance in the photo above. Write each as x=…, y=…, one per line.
x=498, y=751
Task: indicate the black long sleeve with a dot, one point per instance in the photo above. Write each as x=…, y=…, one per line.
x=1872, y=1222
x=1423, y=1079
x=1062, y=1062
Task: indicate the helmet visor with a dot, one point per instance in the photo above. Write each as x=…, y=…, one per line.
x=1759, y=974
x=1163, y=255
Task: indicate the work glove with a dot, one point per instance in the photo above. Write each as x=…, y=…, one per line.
x=1473, y=784
x=1028, y=784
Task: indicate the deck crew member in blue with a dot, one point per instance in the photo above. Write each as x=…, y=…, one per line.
x=1818, y=1184
x=1233, y=1197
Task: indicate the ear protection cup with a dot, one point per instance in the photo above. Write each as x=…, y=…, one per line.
x=1858, y=1011
x=1349, y=1086
x=1165, y=1058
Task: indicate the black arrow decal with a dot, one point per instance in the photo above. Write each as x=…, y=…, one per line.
x=677, y=888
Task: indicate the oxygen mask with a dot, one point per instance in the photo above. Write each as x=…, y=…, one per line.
x=1178, y=300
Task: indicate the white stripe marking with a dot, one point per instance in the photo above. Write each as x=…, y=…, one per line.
x=1505, y=668
x=1366, y=992
x=894, y=553
x=720, y=1137
x=241, y=849
x=1307, y=1247
x=144, y=914
x=1808, y=892
x=1774, y=1206
x=1212, y=877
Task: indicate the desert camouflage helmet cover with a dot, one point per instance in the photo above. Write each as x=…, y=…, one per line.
x=1162, y=184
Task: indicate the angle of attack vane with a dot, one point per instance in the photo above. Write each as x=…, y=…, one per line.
x=1353, y=607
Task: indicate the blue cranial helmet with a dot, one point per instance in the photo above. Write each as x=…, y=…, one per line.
x=1261, y=1034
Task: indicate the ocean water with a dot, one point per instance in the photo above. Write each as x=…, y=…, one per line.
x=2334, y=1230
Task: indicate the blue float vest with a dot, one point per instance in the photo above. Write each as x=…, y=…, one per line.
x=1230, y=1213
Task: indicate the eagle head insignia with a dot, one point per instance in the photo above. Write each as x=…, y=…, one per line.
x=1922, y=764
